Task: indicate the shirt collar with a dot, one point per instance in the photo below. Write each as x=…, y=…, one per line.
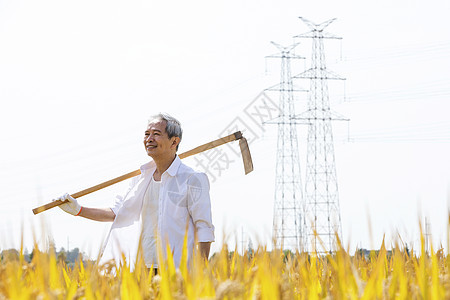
x=172, y=170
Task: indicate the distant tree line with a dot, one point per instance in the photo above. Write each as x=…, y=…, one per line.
x=69, y=257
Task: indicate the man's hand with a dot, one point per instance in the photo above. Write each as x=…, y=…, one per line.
x=71, y=207
x=204, y=249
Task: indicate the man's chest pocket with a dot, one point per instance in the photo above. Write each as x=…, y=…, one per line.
x=177, y=199
x=177, y=207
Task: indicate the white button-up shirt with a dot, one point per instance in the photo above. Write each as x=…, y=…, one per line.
x=150, y=223
x=184, y=207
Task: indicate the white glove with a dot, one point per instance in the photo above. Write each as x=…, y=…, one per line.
x=71, y=207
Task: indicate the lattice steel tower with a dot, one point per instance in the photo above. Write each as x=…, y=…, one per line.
x=321, y=207
x=288, y=186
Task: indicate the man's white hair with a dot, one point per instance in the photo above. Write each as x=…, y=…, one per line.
x=173, y=126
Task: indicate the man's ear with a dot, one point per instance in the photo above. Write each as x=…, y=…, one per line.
x=175, y=141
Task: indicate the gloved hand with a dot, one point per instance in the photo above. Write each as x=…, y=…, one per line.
x=71, y=207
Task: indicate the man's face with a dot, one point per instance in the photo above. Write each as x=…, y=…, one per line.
x=157, y=142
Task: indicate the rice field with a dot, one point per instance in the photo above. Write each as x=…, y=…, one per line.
x=261, y=274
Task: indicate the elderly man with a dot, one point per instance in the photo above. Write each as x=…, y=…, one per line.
x=167, y=201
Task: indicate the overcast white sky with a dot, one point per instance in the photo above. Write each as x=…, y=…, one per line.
x=78, y=80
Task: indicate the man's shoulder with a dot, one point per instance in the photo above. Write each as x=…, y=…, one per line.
x=193, y=177
x=188, y=171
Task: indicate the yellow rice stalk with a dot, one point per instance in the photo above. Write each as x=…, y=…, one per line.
x=374, y=287
x=421, y=269
x=398, y=288
x=342, y=283
x=129, y=289
x=437, y=289
x=267, y=277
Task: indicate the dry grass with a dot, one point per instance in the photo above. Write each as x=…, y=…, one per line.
x=263, y=275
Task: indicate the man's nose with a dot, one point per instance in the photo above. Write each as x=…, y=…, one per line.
x=148, y=138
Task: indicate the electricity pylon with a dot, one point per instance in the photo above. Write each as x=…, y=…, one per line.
x=321, y=200
x=287, y=212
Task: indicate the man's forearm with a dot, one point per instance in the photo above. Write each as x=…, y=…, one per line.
x=204, y=248
x=98, y=214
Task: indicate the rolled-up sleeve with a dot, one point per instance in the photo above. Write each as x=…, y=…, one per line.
x=199, y=205
x=120, y=198
x=117, y=204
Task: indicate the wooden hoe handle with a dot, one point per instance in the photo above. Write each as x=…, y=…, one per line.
x=232, y=137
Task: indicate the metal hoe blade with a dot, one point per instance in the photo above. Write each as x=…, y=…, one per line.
x=246, y=157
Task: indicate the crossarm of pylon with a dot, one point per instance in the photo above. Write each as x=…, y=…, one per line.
x=277, y=88
x=317, y=27
x=309, y=115
x=338, y=117
x=285, y=49
x=313, y=34
x=279, y=120
x=325, y=74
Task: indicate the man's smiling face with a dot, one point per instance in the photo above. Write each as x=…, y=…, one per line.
x=157, y=142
